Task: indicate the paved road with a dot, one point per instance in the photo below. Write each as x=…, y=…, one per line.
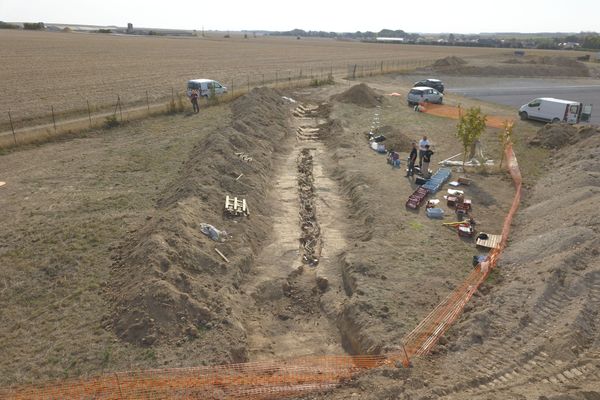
x=517, y=95
x=515, y=92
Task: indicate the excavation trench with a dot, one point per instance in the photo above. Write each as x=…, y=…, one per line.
x=296, y=290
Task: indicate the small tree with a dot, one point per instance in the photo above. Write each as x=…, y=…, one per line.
x=470, y=127
x=505, y=137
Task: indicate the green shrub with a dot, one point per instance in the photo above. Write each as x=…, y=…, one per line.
x=111, y=121
x=321, y=82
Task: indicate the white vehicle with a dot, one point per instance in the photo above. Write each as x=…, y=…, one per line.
x=204, y=86
x=553, y=110
x=424, y=94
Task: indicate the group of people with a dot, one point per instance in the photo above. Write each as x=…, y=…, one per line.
x=424, y=153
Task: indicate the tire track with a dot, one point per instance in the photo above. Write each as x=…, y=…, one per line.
x=536, y=365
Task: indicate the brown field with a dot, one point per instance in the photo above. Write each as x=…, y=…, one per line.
x=63, y=70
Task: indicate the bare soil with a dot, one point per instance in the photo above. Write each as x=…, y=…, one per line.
x=530, y=66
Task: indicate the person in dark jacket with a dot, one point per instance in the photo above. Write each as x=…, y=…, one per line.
x=412, y=159
x=426, y=160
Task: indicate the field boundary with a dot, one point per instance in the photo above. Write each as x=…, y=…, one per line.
x=18, y=131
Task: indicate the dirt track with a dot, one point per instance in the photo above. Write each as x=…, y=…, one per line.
x=169, y=299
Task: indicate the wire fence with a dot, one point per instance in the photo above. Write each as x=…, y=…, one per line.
x=283, y=378
x=22, y=127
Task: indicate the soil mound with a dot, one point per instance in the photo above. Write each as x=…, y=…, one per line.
x=450, y=61
x=360, y=95
x=169, y=285
x=395, y=139
x=555, y=136
x=526, y=67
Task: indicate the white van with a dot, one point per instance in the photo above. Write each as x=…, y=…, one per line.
x=552, y=110
x=204, y=87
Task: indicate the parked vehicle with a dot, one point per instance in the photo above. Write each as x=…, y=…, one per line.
x=553, y=110
x=423, y=94
x=432, y=83
x=204, y=86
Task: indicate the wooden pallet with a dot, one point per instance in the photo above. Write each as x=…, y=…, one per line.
x=236, y=207
x=492, y=242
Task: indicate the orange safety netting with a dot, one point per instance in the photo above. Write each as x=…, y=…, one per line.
x=443, y=110
x=276, y=379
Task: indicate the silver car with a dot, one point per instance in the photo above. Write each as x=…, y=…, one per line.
x=424, y=94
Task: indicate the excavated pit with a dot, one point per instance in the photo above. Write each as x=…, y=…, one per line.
x=310, y=239
x=296, y=289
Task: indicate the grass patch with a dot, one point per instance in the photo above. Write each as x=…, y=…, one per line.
x=111, y=122
x=415, y=225
x=316, y=82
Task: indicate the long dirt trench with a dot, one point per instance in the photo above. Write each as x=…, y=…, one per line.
x=296, y=289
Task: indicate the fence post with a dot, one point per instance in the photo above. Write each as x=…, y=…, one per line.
x=263, y=79
x=119, y=386
x=248, y=78
x=12, y=127
x=53, y=118
x=147, y=102
x=232, y=88
x=89, y=112
x=276, y=78
x=119, y=104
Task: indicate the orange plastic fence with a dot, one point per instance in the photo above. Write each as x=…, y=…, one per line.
x=276, y=379
x=443, y=110
x=257, y=380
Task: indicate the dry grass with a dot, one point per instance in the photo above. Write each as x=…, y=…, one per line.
x=64, y=214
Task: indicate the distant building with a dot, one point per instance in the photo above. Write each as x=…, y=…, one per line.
x=129, y=27
x=390, y=39
x=570, y=45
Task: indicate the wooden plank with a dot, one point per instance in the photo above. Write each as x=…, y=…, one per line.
x=492, y=242
x=222, y=255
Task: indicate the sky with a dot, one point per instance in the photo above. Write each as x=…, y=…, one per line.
x=421, y=16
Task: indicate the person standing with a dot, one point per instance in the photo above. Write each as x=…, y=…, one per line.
x=422, y=147
x=426, y=160
x=194, y=99
x=412, y=159
x=395, y=160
